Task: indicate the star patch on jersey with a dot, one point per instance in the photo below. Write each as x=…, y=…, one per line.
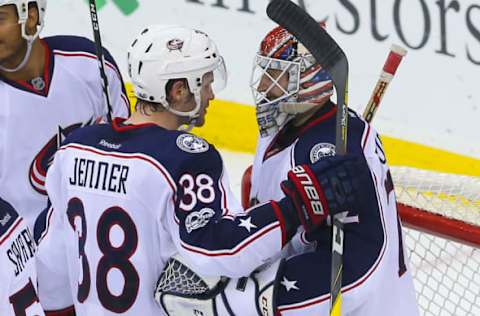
x=192, y=144
x=196, y=220
x=289, y=285
x=247, y=224
x=321, y=150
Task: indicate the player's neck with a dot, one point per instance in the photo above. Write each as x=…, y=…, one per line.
x=301, y=119
x=34, y=67
x=163, y=119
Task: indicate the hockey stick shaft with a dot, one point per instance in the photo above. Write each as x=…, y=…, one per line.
x=332, y=58
x=390, y=67
x=100, y=57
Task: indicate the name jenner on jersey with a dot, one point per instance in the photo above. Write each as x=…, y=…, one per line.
x=99, y=175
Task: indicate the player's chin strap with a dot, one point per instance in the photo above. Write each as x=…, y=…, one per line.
x=30, y=39
x=191, y=115
x=24, y=61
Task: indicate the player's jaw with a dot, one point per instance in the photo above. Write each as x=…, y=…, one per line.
x=11, y=54
x=206, y=96
x=12, y=46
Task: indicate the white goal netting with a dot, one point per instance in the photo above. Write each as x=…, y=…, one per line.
x=442, y=213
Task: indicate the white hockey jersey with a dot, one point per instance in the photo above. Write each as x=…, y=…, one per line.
x=34, y=119
x=127, y=198
x=376, y=279
x=18, y=285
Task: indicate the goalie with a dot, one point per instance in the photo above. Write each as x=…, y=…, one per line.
x=296, y=119
x=129, y=195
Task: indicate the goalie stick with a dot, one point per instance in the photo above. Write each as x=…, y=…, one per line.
x=100, y=57
x=388, y=72
x=328, y=54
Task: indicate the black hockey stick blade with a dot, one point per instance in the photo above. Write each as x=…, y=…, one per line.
x=325, y=50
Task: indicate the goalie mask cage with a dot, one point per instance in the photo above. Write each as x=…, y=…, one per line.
x=441, y=218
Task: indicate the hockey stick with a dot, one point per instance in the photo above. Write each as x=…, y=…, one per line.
x=100, y=57
x=328, y=54
x=388, y=72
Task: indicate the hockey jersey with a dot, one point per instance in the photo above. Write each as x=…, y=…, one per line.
x=18, y=286
x=35, y=118
x=373, y=253
x=125, y=199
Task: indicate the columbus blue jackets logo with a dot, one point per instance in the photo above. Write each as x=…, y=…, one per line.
x=192, y=144
x=41, y=162
x=175, y=44
x=321, y=150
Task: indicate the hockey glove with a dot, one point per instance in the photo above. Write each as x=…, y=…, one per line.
x=325, y=188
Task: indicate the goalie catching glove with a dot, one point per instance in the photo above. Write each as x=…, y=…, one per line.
x=330, y=186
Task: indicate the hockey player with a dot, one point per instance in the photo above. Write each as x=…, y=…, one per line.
x=18, y=287
x=48, y=87
x=297, y=126
x=128, y=196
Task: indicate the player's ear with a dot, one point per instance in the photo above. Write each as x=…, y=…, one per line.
x=179, y=91
x=33, y=19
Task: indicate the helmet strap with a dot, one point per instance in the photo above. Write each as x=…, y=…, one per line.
x=193, y=114
x=29, y=38
x=23, y=62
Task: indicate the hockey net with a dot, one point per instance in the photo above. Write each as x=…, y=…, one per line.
x=441, y=216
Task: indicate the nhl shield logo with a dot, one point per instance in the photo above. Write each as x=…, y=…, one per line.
x=321, y=150
x=192, y=144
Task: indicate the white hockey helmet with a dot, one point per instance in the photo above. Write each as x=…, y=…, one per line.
x=22, y=11
x=164, y=52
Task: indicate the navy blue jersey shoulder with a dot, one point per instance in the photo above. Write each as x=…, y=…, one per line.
x=177, y=151
x=8, y=216
x=319, y=139
x=70, y=43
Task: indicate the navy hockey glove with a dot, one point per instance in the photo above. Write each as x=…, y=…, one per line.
x=325, y=188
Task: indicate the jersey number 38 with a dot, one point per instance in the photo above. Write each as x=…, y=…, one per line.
x=113, y=256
